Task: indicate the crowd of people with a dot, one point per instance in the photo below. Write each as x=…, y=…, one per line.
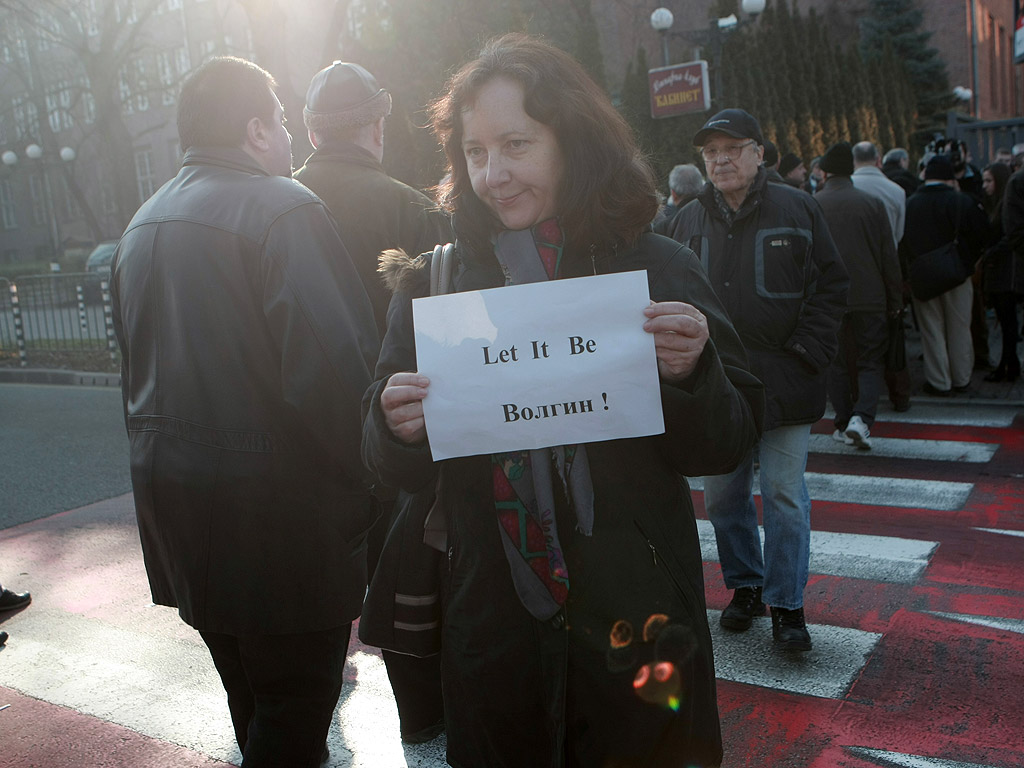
x=275, y=413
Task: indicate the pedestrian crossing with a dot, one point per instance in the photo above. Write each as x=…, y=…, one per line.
x=840, y=653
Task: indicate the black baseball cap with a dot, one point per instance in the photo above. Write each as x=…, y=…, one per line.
x=732, y=122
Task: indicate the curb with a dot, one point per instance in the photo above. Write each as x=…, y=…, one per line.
x=51, y=376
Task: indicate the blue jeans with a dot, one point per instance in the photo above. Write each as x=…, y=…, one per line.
x=729, y=500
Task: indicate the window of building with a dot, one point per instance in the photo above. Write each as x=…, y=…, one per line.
x=141, y=85
x=92, y=26
x=71, y=209
x=182, y=61
x=165, y=71
x=144, y=174
x=26, y=118
x=8, y=209
x=58, y=107
x=125, y=90
x=993, y=68
x=37, y=196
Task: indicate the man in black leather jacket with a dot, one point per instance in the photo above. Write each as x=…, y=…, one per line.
x=247, y=341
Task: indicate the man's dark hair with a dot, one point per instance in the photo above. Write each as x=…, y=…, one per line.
x=608, y=193
x=219, y=99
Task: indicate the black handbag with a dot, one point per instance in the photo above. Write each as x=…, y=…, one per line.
x=402, y=609
x=896, y=353
x=939, y=270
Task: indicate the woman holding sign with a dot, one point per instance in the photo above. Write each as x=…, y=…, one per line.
x=574, y=627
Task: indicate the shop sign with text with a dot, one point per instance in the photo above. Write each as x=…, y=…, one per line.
x=679, y=89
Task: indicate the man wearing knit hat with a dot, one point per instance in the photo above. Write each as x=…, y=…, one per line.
x=771, y=260
x=937, y=214
x=345, y=113
x=860, y=227
x=792, y=170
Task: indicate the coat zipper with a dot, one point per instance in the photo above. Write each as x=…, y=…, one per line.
x=684, y=593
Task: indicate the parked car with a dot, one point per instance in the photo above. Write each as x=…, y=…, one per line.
x=99, y=258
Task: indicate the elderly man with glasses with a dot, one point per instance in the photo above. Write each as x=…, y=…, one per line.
x=772, y=262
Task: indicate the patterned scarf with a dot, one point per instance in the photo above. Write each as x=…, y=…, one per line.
x=524, y=496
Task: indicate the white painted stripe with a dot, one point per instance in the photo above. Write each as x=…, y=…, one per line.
x=850, y=555
x=1001, y=532
x=995, y=622
x=896, y=448
x=956, y=413
x=879, y=491
x=827, y=671
x=898, y=760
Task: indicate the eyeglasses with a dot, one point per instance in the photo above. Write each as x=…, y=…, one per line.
x=721, y=155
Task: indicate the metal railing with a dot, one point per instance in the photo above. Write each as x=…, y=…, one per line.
x=41, y=315
x=984, y=137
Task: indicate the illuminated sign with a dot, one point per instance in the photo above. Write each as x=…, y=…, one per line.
x=679, y=89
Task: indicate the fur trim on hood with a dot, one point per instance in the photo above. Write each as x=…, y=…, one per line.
x=399, y=270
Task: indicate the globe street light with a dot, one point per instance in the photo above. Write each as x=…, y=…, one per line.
x=35, y=153
x=661, y=21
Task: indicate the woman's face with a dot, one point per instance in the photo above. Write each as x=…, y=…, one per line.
x=988, y=183
x=515, y=164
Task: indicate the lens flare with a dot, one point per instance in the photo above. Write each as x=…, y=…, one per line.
x=659, y=684
x=621, y=634
x=653, y=626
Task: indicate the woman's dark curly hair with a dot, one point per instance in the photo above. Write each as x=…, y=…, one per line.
x=608, y=193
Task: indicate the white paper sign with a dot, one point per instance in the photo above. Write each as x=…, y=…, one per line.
x=536, y=365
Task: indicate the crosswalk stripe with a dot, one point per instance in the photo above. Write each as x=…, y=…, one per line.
x=896, y=448
x=956, y=415
x=827, y=671
x=898, y=760
x=1001, y=532
x=850, y=555
x=995, y=622
x=939, y=495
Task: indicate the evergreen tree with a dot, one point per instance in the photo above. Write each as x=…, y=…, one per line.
x=898, y=22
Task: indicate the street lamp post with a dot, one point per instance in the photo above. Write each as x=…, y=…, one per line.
x=35, y=153
x=661, y=21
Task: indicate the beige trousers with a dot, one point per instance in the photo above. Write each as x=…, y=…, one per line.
x=945, y=323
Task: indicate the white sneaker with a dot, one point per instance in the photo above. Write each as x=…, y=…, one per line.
x=858, y=433
x=840, y=437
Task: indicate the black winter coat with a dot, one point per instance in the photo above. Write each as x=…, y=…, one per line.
x=246, y=341
x=519, y=692
x=373, y=211
x=1004, y=261
x=860, y=228
x=937, y=213
x=778, y=274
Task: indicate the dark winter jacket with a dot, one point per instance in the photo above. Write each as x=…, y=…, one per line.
x=1004, y=261
x=783, y=283
x=897, y=173
x=374, y=212
x=933, y=213
x=519, y=692
x=246, y=340
x=859, y=225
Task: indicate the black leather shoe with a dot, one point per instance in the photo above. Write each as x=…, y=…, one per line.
x=741, y=610
x=3, y=637
x=10, y=601
x=928, y=389
x=789, y=630
x=424, y=735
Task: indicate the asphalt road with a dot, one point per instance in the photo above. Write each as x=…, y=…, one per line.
x=914, y=601
x=60, y=448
